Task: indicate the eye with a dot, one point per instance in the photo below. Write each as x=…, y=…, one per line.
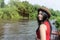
x=40, y=13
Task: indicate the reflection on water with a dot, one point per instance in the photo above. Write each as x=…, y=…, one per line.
x=1, y=31
x=23, y=30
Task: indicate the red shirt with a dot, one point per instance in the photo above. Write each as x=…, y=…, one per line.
x=47, y=31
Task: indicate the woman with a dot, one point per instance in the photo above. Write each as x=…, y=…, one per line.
x=44, y=28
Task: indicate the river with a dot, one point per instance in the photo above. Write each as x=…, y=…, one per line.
x=20, y=30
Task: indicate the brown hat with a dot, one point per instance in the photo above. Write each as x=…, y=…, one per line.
x=45, y=10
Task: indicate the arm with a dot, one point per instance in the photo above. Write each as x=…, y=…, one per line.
x=43, y=31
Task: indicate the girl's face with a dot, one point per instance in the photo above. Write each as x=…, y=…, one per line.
x=40, y=16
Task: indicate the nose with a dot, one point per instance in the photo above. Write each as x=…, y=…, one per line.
x=39, y=15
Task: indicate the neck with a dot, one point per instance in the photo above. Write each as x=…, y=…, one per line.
x=43, y=21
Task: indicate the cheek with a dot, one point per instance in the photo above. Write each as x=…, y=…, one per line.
x=40, y=17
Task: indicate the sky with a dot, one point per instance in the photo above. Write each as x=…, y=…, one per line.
x=54, y=4
x=6, y=1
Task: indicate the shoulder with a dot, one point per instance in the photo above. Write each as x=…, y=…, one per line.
x=43, y=27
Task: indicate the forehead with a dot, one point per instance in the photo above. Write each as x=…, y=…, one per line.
x=40, y=11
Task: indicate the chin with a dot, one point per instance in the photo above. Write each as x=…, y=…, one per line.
x=40, y=19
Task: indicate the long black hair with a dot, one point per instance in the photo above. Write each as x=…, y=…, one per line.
x=45, y=17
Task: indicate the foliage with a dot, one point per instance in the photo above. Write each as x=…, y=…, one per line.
x=19, y=10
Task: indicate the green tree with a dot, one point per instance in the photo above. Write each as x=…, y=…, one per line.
x=2, y=3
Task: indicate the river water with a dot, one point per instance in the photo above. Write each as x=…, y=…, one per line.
x=20, y=30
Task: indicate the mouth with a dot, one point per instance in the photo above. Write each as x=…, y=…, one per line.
x=40, y=18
